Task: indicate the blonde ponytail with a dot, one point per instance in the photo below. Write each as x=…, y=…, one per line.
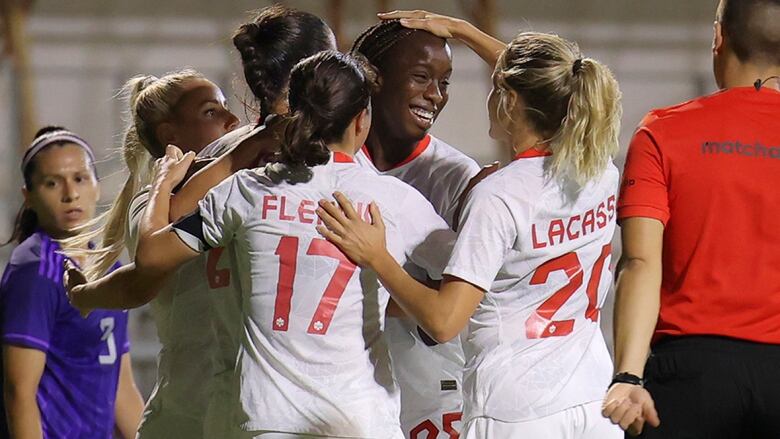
x=572, y=102
x=588, y=137
x=151, y=101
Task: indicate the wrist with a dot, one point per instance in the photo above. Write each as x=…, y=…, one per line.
x=460, y=28
x=627, y=378
x=380, y=260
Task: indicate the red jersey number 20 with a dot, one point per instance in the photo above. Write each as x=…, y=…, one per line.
x=541, y=324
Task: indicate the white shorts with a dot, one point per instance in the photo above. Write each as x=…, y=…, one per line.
x=274, y=435
x=580, y=422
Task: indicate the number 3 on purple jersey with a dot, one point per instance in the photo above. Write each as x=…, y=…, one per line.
x=107, y=326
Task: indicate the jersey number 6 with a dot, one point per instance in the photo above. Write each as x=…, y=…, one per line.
x=288, y=259
x=540, y=324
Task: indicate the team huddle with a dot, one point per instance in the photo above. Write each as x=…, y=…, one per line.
x=333, y=270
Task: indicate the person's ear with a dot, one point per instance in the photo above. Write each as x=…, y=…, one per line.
x=363, y=122
x=717, y=38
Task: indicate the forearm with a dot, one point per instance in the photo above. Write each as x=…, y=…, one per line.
x=247, y=154
x=124, y=288
x=484, y=45
x=129, y=406
x=23, y=415
x=430, y=308
x=637, y=303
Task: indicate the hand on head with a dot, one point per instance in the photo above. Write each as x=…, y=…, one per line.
x=439, y=25
x=630, y=406
x=361, y=241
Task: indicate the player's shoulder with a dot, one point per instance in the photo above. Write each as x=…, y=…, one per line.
x=443, y=151
x=686, y=114
x=220, y=146
x=38, y=256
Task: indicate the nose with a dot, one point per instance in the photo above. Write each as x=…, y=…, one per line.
x=70, y=191
x=433, y=93
x=231, y=122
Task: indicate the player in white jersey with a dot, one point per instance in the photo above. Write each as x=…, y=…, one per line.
x=529, y=272
x=192, y=110
x=412, y=94
x=313, y=359
x=201, y=301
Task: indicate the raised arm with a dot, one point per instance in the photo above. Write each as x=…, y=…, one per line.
x=441, y=313
x=159, y=252
x=484, y=45
x=249, y=153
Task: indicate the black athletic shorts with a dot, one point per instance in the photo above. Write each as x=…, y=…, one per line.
x=713, y=388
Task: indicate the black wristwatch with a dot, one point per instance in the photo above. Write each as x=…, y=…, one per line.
x=627, y=378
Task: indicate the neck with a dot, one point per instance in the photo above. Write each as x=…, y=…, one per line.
x=524, y=140
x=387, y=152
x=343, y=147
x=746, y=74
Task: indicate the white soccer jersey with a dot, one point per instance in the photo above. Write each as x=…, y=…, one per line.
x=541, y=252
x=192, y=314
x=313, y=359
x=430, y=378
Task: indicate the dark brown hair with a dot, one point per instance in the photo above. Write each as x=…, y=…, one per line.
x=272, y=43
x=327, y=91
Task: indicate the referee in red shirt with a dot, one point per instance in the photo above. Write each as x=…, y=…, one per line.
x=699, y=281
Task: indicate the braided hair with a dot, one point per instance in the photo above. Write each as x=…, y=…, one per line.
x=375, y=41
x=272, y=43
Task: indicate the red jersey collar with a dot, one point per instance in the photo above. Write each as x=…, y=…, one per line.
x=421, y=146
x=532, y=152
x=340, y=157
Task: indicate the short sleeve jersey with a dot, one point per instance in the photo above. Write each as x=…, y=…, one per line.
x=313, y=348
x=197, y=317
x=708, y=170
x=430, y=377
x=77, y=389
x=540, y=250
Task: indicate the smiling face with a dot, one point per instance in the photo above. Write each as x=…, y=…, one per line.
x=199, y=117
x=63, y=191
x=415, y=74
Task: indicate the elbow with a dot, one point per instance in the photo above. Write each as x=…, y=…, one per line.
x=442, y=331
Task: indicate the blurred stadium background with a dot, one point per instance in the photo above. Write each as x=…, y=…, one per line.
x=62, y=62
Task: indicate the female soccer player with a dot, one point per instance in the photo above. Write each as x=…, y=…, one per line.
x=313, y=360
x=270, y=45
x=63, y=376
x=184, y=108
x=528, y=270
x=414, y=68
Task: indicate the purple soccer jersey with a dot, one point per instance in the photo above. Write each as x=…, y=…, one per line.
x=78, y=386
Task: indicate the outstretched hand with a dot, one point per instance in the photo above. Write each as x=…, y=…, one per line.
x=630, y=406
x=361, y=241
x=73, y=279
x=481, y=175
x=439, y=25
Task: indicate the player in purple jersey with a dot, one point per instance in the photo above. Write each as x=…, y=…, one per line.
x=64, y=376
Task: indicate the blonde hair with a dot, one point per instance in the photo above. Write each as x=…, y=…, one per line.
x=573, y=102
x=151, y=100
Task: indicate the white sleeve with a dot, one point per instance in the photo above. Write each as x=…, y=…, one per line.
x=427, y=237
x=221, y=212
x=487, y=232
x=134, y=215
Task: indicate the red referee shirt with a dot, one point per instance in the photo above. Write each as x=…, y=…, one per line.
x=709, y=169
